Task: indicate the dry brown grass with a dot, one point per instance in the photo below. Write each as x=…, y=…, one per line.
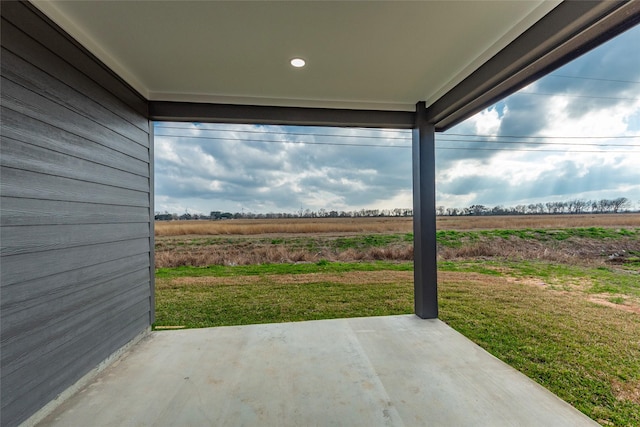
x=572, y=251
x=243, y=227
x=245, y=242
x=229, y=255
x=538, y=221
x=269, y=254
x=241, y=252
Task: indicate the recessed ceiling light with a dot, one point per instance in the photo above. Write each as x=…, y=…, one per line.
x=298, y=62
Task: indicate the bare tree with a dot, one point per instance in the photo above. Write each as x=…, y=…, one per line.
x=620, y=203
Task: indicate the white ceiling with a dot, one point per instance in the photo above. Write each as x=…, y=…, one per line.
x=383, y=55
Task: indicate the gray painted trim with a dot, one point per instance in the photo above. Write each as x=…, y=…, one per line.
x=253, y=114
x=568, y=31
x=425, y=279
x=152, y=228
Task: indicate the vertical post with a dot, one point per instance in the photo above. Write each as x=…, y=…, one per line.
x=425, y=282
x=152, y=244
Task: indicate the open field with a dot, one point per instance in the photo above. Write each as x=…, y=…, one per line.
x=387, y=225
x=559, y=302
x=283, y=226
x=630, y=220
x=589, y=246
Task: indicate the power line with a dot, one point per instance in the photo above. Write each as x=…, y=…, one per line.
x=592, y=78
x=484, y=141
x=577, y=96
x=289, y=142
x=536, y=150
x=393, y=146
x=396, y=146
x=164, y=125
x=544, y=137
x=408, y=138
x=295, y=133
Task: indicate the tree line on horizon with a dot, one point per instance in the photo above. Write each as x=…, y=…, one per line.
x=574, y=206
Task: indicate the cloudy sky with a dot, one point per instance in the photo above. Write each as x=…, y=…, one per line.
x=573, y=134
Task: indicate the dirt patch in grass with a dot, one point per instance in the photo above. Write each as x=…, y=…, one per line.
x=629, y=391
x=348, y=278
x=532, y=281
x=576, y=286
x=628, y=305
x=373, y=277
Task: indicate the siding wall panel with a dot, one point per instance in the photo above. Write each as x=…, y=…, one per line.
x=89, y=352
x=30, y=293
x=39, y=238
x=34, y=132
x=35, y=53
x=33, y=185
x=32, y=104
x=19, y=268
x=48, y=340
x=45, y=340
x=17, y=211
x=77, y=288
x=76, y=281
x=19, y=155
x=45, y=32
x=24, y=74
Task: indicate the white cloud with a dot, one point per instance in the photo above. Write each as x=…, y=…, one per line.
x=486, y=122
x=262, y=169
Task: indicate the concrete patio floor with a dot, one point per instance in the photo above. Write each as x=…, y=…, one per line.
x=376, y=371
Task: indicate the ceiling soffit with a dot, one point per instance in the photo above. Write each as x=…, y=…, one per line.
x=384, y=55
x=228, y=61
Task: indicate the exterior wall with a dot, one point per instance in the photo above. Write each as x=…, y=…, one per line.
x=76, y=213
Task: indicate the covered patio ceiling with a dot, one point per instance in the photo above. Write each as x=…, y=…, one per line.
x=457, y=56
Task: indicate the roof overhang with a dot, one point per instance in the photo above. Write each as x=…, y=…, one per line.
x=369, y=63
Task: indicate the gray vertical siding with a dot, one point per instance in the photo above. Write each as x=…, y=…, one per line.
x=76, y=276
